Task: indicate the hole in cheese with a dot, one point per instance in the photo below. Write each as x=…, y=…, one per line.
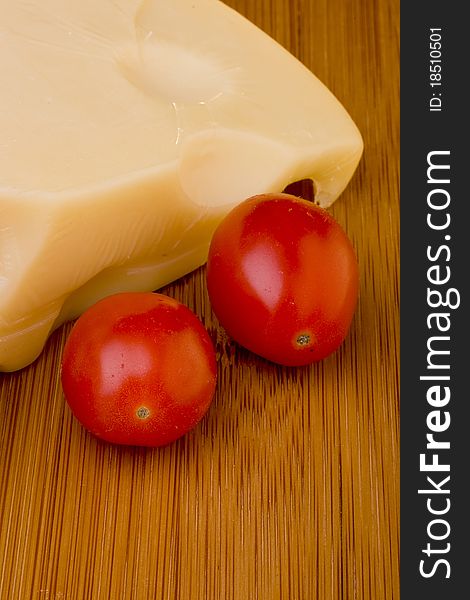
x=180, y=75
x=221, y=167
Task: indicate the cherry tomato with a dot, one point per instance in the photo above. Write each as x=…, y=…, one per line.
x=139, y=369
x=282, y=278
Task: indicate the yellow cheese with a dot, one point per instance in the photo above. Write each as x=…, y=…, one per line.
x=128, y=129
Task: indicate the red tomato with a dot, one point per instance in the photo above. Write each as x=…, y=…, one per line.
x=282, y=278
x=139, y=369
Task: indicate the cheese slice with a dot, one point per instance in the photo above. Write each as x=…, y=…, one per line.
x=128, y=129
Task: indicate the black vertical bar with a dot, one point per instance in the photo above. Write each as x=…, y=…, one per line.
x=435, y=270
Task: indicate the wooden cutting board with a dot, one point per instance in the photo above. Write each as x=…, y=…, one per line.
x=289, y=488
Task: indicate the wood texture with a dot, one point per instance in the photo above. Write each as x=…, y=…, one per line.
x=289, y=488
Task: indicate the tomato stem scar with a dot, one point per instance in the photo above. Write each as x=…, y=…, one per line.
x=303, y=339
x=143, y=412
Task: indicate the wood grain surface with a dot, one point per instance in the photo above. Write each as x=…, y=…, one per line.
x=289, y=488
